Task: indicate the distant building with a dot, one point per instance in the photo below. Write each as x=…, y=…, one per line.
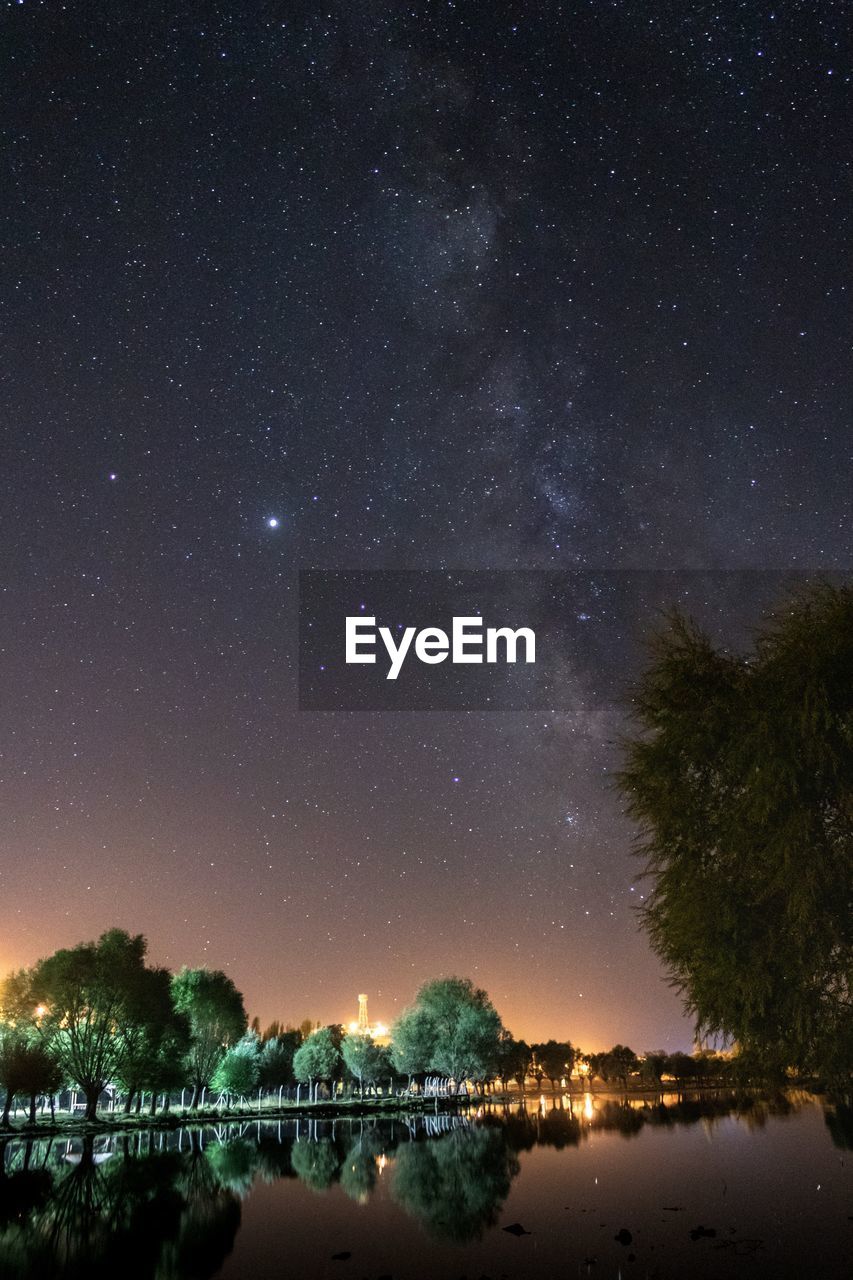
x=361, y=1025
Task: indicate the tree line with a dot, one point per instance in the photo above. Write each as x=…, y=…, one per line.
x=97, y=1017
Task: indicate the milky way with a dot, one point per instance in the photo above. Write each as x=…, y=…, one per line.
x=392, y=286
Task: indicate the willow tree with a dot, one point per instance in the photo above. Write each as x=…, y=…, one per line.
x=740, y=775
x=87, y=1000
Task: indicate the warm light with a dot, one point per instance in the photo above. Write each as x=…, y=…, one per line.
x=353, y=1026
x=588, y=1111
x=41, y=1010
x=380, y=1029
x=381, y=1162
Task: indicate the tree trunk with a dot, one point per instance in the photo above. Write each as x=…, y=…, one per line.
x=152, y=1110
x=7, y=1106
x=92, y=1095
x=194, y=1098
x=128, y=1100
x=32, y=1108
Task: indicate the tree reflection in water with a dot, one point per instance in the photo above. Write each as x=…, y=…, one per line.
x=457, y=1183
x=163, y=1206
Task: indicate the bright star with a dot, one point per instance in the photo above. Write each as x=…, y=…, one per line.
x=272, y=522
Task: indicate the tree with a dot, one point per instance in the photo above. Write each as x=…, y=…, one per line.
x=153, y=1036
x=681, y=1066
x=458, y=1027
x=239, y=1070
x=621, y=1062
x=740, y=775
x=26, y=1067
x=654, y=1065
x=217, y=1019
x=88, y=999
x=513, y=1059
x=27, y=1064
x=556, y=1059
x=277, y=1059
x=317, y=1059
x=363, y=1058
x=411, y=1043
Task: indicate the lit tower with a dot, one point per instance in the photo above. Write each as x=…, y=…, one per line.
x=363, y=1024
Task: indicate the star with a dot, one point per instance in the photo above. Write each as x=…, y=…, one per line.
x=273, y=522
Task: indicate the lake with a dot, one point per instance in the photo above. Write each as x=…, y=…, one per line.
x=697, y=1186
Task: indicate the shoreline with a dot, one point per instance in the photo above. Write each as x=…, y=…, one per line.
x=117, y=1123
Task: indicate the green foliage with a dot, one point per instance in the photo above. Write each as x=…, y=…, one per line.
x=456, y=1185
x=359, y=1171
x=363, y=1058
x=315, y=1163
x=217, y=1019
x=277, y=1059
x=452, y=1029
x=411, y=1042
x=238, y=1073
x=741, y=776
x=91, y=995
x=154, y=1036
x=318, y=1058
x=27, y=1067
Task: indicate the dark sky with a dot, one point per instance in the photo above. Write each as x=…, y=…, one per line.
x=428, y=284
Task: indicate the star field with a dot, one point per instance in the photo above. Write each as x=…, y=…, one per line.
x=392, y=286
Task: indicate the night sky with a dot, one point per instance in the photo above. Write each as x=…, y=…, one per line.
x=392, y=286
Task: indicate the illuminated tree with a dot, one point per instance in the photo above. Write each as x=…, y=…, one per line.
x=458, y=1027
x=317, y=1059
x=277, y=1059
x=411, y=1043
x=741, y=777
x=239, y=1071
x=363, y=1057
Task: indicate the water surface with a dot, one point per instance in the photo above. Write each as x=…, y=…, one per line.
x=705, y=1187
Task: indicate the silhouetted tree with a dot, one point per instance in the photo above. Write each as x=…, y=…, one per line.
x=741, y=776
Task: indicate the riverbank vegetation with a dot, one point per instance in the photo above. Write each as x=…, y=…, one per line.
x=740, y=775
x=93, y=1034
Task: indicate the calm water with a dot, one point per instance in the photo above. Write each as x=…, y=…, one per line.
x=602, y=1189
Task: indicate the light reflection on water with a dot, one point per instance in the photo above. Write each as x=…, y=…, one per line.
x=698, y=1186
